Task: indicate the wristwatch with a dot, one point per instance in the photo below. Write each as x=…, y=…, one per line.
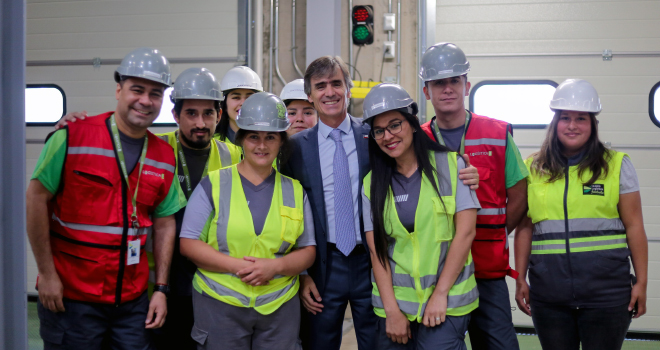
x=163, y=288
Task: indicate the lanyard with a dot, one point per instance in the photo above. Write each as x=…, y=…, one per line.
x=438, y=135
x=122, y=163
x=184, y=166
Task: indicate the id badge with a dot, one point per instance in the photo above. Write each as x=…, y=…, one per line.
x=133, y=252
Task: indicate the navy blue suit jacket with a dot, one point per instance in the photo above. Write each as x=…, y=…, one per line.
x=304, y=165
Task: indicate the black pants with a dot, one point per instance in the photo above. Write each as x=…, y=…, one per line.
x=561, y=327
x=175, y=333
x=89, y=325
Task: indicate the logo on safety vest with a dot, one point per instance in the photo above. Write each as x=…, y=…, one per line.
x=152, y=173
x=484, y=153
x=593, y=190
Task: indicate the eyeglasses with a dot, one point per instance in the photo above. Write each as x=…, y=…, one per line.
x=393, y=129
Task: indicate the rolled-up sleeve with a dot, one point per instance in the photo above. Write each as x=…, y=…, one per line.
x=199, y=210
x=307, y=238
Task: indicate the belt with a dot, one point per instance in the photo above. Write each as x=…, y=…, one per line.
x=359, y=249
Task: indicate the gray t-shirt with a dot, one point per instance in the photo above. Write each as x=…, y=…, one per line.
x=200, y=207
x=132, y=150
x=258, y=199
x=453, y=137
x=628, y=181
x=409, y=190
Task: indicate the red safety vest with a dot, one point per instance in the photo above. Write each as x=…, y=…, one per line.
x=485, y=144
x=90, y=226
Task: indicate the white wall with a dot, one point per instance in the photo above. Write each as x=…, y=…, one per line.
x=561, y=26
x=109, y=29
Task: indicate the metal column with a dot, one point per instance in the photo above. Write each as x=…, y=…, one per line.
x=425, y=38
x=324, y=36
x=13, y=297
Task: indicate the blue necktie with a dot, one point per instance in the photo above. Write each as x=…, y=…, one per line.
x=344, y=221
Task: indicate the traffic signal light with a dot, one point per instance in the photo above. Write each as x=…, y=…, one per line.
x=363, y=25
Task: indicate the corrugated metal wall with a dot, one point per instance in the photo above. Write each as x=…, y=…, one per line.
x=109, y=29
x=568, y=26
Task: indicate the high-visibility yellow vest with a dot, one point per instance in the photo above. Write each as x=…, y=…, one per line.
x=230, y=231
x=417, y=258
x=579, y=251
x=222, y=155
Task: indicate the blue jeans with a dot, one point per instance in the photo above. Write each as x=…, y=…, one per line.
x=562, y=327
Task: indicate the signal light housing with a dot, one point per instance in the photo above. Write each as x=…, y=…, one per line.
x=363, y=25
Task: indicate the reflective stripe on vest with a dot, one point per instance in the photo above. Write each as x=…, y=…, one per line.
x=577, y=245
x=553, y=226
x=234, y=235
x=110, y=153
x=493, y=142
x=417, y=258
x=113, y=230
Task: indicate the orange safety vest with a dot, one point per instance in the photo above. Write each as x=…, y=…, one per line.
x=90, y=226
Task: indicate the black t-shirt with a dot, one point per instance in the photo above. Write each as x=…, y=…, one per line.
x=182, y=269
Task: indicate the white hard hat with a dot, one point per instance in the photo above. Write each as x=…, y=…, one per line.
x=576, y=95
x=294, y=90
x=241, y=77
x=443, y=60
x=145, y=63
x=196, y=84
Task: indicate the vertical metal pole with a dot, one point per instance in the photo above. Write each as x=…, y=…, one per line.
x=13, y=296
x=421, y=47
x=350, y=38
x=398, y=42
x=276, y=49
x=250, y=36
x=258, y=37
x=270, y=50
x=293, y=38
x=389, y=10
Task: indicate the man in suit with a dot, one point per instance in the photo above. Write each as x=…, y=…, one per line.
x=330, y=160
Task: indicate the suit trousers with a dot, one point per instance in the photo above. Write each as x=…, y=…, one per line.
x=348, y=281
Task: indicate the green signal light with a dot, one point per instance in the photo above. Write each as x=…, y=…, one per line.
x=360, y=32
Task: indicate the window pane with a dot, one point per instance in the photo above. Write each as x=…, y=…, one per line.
x=519, y=103
x=165, y=116
x=43, y=104
x=655, y=100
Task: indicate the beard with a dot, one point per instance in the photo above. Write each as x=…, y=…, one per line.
x=194, y=142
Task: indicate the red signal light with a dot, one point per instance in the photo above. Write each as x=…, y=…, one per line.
x=361, y=14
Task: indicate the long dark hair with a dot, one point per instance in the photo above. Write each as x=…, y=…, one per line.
x=382, y=167
x=223, y=125
x=551, y=161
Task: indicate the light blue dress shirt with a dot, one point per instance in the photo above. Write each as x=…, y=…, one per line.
x=326, y=156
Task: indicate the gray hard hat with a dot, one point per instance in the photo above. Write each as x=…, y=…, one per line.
x=196, y=84
x=145, y=63
x=263, y=111
x=386, y=97
x=443, y=60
